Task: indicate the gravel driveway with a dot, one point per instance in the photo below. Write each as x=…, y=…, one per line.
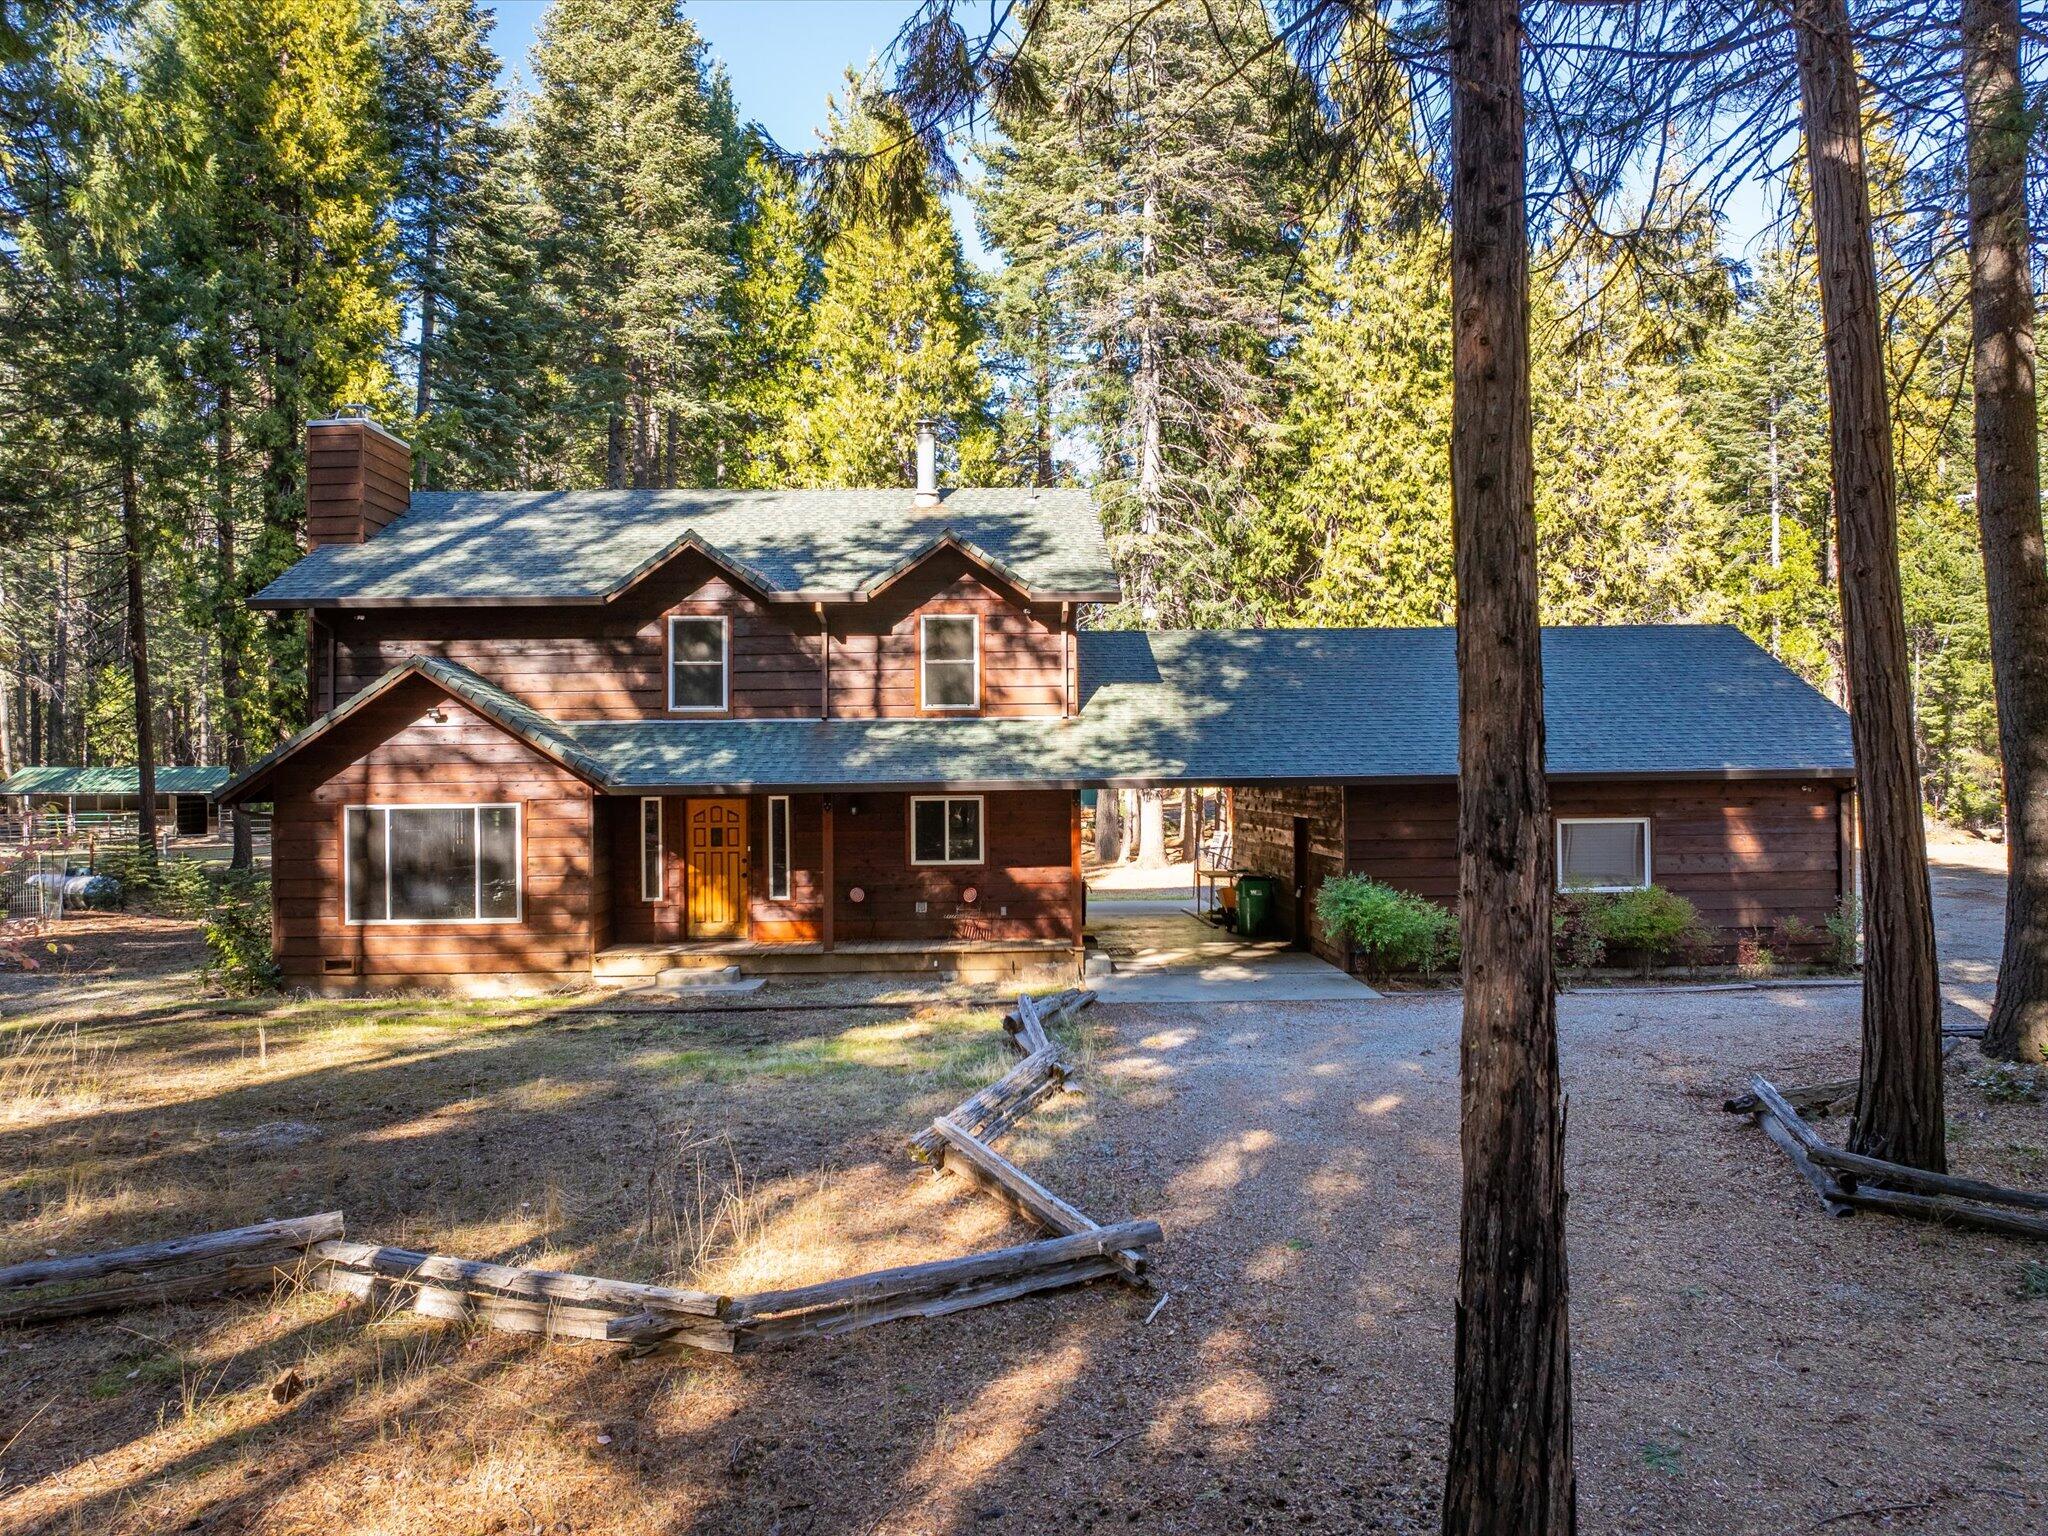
x=1742, y=1363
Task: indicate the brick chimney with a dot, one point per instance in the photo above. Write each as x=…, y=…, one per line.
x=358, y=478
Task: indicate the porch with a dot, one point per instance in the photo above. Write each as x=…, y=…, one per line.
x=969, y=960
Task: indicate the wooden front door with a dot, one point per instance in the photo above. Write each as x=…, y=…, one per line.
x=715, y=867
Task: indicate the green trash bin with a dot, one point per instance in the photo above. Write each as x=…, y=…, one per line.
x=1257, y=897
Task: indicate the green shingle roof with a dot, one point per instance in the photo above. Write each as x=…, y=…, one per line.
x=1249, y=706
x=1235, y=706
x=56, y=779
x=585, y=546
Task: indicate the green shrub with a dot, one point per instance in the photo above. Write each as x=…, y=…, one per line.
x=1843, y=925
x=1654, y=924
x=1391, y=929
x=163, y=887
x=1575, y=943
x=236, y=929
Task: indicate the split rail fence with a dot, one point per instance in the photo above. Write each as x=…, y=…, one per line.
x=311, y=1251
x=1848, y=1181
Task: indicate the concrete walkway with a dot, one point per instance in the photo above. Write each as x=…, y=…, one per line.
x=1161, y=954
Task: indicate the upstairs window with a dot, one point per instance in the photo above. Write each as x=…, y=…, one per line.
x=949, y=670
x=945, y=829
x=431, y=863
x=697, y=670
x=1603, y=854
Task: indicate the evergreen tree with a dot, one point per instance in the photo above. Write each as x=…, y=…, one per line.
x=636, y=155
x=283, y=255
x=1355, y=527
x=1160, y=219
x=1759, y=403
x=767, y=369
x=441, y=108
x=894, y=336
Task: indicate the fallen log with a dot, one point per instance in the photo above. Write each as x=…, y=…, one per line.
x=1052, y=1009
x=292, y=1231
x=1858, y=1167
x=287, y=1267
x=946, y=1274
x=1948, y=1211
x=1815, y=1096
x=1026, y=1193
x=770, y=1332
x=513, y=1314
x=1024, y=1079
x=516, y=1283
x=1822, y=1181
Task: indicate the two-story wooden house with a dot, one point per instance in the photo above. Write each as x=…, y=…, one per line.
x=568, y=734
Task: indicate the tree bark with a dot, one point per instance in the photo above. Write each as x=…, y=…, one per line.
x=2009, y=506
x=138, y=642
x=1899, y=1106
x=1109, y=826
x=1152, y=828
x=228, y=620
x=1510, y=1470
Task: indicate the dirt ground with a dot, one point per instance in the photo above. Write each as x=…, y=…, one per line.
x=1742, y=1363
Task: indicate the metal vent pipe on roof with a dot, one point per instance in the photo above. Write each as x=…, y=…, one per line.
x=927, y=464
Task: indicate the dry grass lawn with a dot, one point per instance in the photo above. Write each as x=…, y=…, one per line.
x=1742, y=1364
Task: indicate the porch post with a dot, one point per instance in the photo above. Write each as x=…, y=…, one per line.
x=825, y=875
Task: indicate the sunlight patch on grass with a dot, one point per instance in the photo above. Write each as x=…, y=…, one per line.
x=944, y=1049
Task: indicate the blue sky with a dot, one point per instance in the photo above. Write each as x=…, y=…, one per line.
x=785, y=56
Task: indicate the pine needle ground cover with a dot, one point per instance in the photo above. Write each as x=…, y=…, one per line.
x=1304, y=1158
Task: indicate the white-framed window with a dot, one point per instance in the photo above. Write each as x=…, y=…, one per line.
x=949, y=661
x=778, y=848
x=945, y=829
x=650, y=848
x=1603, y=853
x=699, y=674
x=431, y=864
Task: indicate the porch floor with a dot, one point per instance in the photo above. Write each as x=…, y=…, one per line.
x=971, y=959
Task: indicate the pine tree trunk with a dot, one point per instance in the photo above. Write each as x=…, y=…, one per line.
x=1152, y=828
x=2009, y=507
x=1510, y=1469
x=1109, y=827
x=1899, y=1102
x=7, y=675
x=138, y=643
x=228, y=625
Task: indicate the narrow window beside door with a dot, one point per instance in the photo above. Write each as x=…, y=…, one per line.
x=778, y=848
x=650, y=849
x=431, y=864
x=949, y=671
x=697, y=672
x=945, y=829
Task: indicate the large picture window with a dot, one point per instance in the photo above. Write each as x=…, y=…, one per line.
x=949, y=669
x=431, y=863
x=697, y=662
x=778, y=847
x=945, y=829
x=650, y=848
x=1603, y=854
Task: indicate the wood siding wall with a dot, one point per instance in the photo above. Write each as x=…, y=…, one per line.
x=1024, y=891
x=394, y=753
x=1263, y=843
x=357, y=481
x=1746, y=853
x=610, y=662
